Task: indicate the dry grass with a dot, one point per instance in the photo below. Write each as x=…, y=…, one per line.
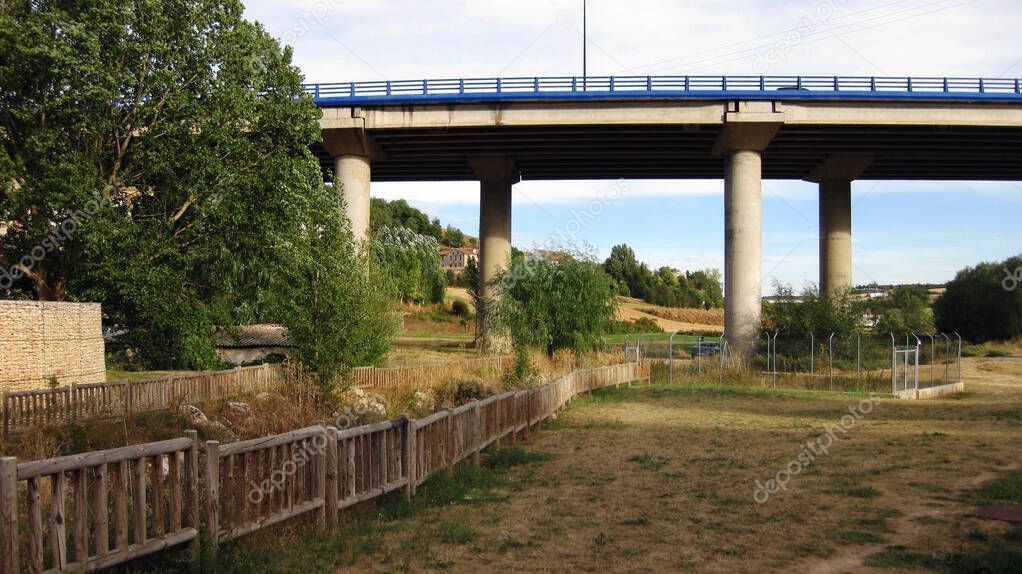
x=654, y=479
x=713, y=317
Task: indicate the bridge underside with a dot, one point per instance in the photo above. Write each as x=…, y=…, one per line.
x=934, y=152
x=739, y=141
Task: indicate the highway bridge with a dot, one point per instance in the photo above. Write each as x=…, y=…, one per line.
x=826, y=129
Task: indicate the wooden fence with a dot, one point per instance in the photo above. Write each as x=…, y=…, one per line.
x=424, y=375
x=25, y=409
x=162, y=495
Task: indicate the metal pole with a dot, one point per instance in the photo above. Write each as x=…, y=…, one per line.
x=947, y=356
x=959, y=357
x=670, y=358
x=585, y=37
x=933, y=356
x=723, y=351
x=775, y=359
x=919, y=344
x=858, y=357
x=830, y=361
x=894, y=366
x=812, y=354
x=699, y=356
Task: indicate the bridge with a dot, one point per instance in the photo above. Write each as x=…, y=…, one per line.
x=831, y=130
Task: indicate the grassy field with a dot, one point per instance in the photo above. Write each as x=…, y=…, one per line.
x=653, y=479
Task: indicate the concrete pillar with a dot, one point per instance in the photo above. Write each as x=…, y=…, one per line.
x=743, y=250
x=352, y=173
x=496, y=176
x=494, y=230
x=835, y=236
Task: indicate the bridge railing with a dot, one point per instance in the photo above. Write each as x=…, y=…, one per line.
x=674, y=86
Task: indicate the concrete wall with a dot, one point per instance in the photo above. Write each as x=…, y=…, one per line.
x=932, y=392
x=40, y=341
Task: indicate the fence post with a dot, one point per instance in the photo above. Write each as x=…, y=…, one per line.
x=477, y=433
x=211, y=502
x=9, y=515
x=409, y=454
x=72, y=401
x=330, y=501
x=321, y=478
x=7, y=417
x=192, y=490
x=128, y=399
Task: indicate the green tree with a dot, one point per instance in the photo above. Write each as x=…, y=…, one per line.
x=548, y=304
x=158, y=154
x=983, y=303
x=454, y=237
x=412, y=263
x=906, y=309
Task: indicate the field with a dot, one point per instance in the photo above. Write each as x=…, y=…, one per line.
x=653, y=479
x=670, y=319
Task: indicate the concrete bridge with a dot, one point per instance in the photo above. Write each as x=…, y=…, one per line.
x=829, y=130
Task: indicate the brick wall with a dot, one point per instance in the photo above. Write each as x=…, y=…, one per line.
x=39, y=341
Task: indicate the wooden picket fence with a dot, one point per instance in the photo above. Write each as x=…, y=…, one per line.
x=128, y=502
x=25, y=409
x=422, y=376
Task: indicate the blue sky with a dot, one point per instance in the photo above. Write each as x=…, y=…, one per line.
x=902, y=231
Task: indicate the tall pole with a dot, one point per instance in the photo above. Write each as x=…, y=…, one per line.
x=585, y=34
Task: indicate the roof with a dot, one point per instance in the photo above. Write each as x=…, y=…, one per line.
x=246, y=336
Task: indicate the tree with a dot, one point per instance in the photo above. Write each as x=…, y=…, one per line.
x=548, y=304
x=155, y=157
x=906, y=309
x=983, y=303
x=454, y=237
x=412, y=263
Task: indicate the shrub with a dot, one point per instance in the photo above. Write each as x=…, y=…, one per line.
x=460, y=308
x=983, y=303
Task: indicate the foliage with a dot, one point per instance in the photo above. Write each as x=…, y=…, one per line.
x=905, y=310
x=398, y=213
x=982, y=303
x=412, y=262
x=666, y=287
x=794, y=318
x=156, y=157
x=460, y=308
x=453, y=237
x=548, y=304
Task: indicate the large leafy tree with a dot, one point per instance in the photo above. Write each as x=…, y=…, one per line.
x=175, y=135
x=551, y=304
x=984, y=302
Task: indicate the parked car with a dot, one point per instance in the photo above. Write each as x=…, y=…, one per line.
x=705, y=348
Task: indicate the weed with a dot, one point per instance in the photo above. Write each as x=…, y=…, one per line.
x=648, y=461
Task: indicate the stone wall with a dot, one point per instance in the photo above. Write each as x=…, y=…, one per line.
x=40, y=342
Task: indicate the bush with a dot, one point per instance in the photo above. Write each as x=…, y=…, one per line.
x=983, y=303
x=460, y=308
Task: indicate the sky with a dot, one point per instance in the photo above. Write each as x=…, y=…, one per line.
x=903, y=232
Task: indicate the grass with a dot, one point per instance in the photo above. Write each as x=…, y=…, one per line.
x=657, y=478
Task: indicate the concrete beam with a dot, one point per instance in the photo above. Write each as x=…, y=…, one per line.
x=748, y=126
x=840, y=168
x=743, y=251
x=939, y=115
x=352, y=141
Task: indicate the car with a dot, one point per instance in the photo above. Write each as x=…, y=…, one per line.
x=705, y=349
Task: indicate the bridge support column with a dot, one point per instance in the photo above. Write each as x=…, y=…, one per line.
x=496, y=175
x=748, y=129
x=352, y=173
x=835, y=175
x=835, y=236
x=743, y=250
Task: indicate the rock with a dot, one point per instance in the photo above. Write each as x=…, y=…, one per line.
x=424, y=401
x=365, y=403
x=238, y=408
x=264, y=396
x=194, y=414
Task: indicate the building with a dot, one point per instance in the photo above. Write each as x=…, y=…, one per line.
x=457, y=259
x=247, y=343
